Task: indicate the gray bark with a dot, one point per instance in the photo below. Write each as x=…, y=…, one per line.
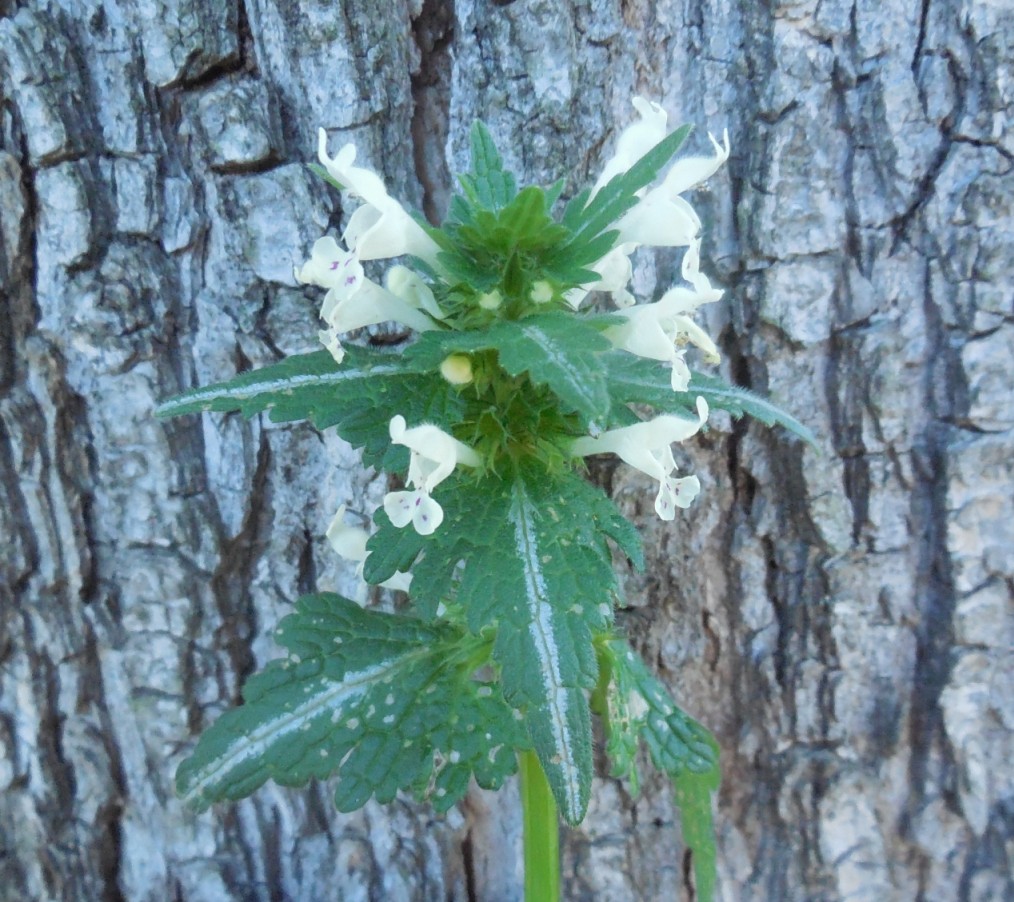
x=841, y=618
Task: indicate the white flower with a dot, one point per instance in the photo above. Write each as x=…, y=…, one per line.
x=380, y=228
x=614, y=271
x=660, y=331
x=353, y=301
x=664, y=219
x=646, y=446
x=368, y=305
x=635, y=141
x=350, y=543
x=661, y=218
x=434, y=455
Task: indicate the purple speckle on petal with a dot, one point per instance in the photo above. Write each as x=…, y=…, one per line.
x=418, y=501
x=334, y=265
x=350, y=280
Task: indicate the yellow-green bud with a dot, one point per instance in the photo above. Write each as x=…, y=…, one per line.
x=542, y=292
x=490, y=300
x=457, y=369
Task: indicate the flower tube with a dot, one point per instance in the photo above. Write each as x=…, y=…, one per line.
x=353, y=301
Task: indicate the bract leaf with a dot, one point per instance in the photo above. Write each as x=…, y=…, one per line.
x=638, y=708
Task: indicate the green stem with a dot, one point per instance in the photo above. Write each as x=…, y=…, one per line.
x=542, y=833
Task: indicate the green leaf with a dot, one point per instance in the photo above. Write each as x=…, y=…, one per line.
x=620, y=193
x=321, y=172
x=637, y=707
x=384, y=701
x=490, y=185
x=543, y=642
x=560, y=350
x=358, y=396
x=640, y=708
x=635, y=380
x=536, y=566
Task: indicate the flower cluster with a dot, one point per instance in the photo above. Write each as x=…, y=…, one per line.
x=660, y=331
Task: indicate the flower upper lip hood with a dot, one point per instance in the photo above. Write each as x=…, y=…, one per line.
x=381, y=227
x=634, y=141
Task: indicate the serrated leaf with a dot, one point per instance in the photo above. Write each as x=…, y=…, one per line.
x=384, y=701
x=635, y=380
x=562, y=351
x=588, y=219
x=543, y=643
x=635, y=706
x=620, y=193
x=646, y=711
x=536, y=566
x=494, y=187
x=525, y=223
x=546, y=581
x=358, y=397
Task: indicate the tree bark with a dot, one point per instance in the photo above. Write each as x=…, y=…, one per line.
x=840, y=617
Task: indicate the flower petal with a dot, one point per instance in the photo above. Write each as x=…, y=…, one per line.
x=410, y=287
x=673, y=493
x=329, y=338
x=331, y=266
x=416, y=507
x=368, y=306
x=348, y=541
x=380, y=228
x=634, y=141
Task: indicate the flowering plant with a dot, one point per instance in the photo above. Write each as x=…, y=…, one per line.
x=508, y=643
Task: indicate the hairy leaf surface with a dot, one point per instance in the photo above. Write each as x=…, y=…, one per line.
x=358, y=396
x=385, y=701
x=635, y=380
x=535, y=565
x=636, y=707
